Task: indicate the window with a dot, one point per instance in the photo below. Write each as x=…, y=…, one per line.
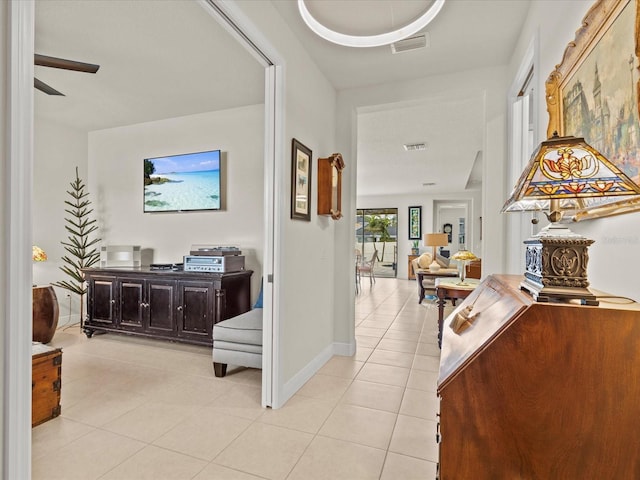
x=377, y=230
x=523, y=138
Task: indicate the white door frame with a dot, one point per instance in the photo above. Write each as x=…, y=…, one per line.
x=16, y=415
x=239, y=26
x=441, y=205
x=237, y=23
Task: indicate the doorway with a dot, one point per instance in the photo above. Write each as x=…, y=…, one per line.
x=452, y=218
x=377, y=236
x=18, y=197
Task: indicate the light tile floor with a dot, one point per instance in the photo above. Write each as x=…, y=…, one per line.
x=137, y=409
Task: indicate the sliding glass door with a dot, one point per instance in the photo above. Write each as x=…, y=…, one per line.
x=377, y=237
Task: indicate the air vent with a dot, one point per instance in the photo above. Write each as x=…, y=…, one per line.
x=412, y=43
x=412, y=147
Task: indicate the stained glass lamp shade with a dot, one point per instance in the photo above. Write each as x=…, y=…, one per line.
x=562, y=174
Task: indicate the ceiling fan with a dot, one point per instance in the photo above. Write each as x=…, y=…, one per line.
x=55, y=62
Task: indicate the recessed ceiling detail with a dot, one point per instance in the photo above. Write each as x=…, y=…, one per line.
x=328, y=26
x=412, y=43
x=412, y=147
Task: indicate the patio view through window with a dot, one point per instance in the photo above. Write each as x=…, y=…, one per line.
x=377, y=235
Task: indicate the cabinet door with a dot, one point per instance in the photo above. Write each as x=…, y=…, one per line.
x=160, y=306
x=196, y=311
x=131, y=303
x=102, y=300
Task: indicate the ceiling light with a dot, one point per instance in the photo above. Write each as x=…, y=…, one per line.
x=412, y=43
x=412, y=147
x=386, y=38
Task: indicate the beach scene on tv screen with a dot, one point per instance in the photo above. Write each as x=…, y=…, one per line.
x=182, y=182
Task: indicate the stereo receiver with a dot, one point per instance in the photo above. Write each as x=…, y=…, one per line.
x=215, y=264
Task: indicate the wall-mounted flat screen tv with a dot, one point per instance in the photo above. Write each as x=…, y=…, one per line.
x=182, y=183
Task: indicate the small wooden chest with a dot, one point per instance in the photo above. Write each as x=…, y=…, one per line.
x=46, y=383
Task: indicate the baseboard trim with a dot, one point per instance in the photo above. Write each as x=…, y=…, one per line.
x=345, y=349
x=303, y=376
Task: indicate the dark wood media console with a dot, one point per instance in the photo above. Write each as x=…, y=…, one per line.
x=170, y=305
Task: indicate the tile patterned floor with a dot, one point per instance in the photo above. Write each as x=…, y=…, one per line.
x=135, y=409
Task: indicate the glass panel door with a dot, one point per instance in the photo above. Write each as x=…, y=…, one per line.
x=377, y=236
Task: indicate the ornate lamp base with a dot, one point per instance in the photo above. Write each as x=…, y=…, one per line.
x=556, y=269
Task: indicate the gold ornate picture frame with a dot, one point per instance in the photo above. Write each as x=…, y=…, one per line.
x=595, y=93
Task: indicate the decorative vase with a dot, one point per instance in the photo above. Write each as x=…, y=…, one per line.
x=415, y=251
x=45, y=313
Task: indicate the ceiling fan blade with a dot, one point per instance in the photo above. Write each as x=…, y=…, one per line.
x=55, y=62
x=43, y=87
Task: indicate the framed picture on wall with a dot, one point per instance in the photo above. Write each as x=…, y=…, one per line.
x=300, y=181
x=593, y=94
x=415, y=223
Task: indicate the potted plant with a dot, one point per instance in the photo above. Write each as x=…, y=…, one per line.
x=81, y=244
x=415, y=250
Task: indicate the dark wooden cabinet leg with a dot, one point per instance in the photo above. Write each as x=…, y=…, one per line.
x=220, y=369
x=441, y=302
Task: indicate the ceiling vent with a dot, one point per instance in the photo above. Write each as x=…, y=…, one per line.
x=412, y=43
x=412, y=147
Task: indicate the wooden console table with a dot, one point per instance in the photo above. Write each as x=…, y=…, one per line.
x=451, y=289
x=410, y=272
x=423, y=273
x=171, y=305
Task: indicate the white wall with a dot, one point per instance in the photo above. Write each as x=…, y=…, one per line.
x=116, y=180
x=58, y=150
x=613, y=262
x=403, y=202
x=308, y=278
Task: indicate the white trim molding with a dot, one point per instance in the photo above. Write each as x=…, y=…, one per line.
x=18, y=274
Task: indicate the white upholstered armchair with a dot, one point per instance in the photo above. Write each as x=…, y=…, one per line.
x=238, y=340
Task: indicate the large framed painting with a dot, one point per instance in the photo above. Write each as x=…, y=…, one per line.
x=300, y=181
x=594, y=93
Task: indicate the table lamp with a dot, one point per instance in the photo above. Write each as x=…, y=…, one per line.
x=37, y=254
x=463, y=256
x=435, y=240
x=561, y=174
